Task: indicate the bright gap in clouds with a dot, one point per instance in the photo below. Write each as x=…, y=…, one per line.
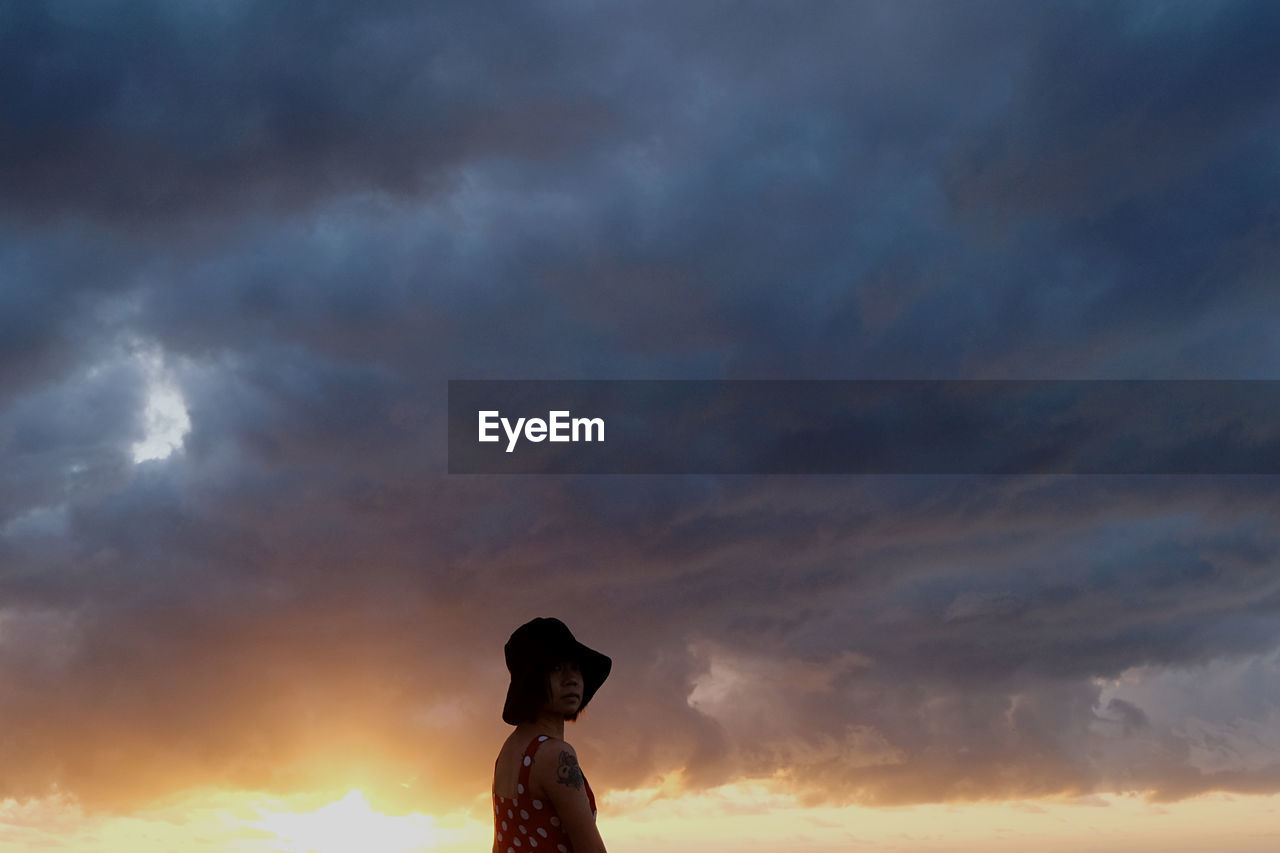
x=165, y=416
x=744, y=817
x=350, y=825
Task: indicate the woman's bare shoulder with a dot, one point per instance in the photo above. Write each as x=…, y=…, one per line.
x=556, y=762
x=553, y=745
x=507, y=766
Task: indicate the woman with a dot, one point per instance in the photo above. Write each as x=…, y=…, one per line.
x=541, y=801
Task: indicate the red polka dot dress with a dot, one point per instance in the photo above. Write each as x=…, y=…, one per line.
x=523, y=824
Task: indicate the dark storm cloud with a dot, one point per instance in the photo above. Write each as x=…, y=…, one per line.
x=1142, y=147
x=1103, y=115
x=958, y=653
x=809, y=192
x=55, y=287
x=145, y=111
x=306, y=219
x=871, y=636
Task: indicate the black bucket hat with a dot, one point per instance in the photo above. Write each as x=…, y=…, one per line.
x=534, y=648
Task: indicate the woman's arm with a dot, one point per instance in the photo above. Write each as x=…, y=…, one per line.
x=557, y=773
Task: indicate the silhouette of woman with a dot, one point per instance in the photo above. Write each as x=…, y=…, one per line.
x=541, y=800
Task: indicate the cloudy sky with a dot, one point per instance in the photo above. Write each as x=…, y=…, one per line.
x=243, y=247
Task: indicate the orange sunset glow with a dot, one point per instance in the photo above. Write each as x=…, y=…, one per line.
x=744, y=816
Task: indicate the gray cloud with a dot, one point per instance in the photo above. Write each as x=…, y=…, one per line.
x=141, y=113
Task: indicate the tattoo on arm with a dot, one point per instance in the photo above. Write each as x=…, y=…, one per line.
x=568, y=772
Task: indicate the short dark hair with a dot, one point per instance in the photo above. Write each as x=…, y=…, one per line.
x=531, y=690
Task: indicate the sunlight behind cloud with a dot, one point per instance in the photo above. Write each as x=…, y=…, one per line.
x=752, y=815
x=165, y=416
x=350, y=825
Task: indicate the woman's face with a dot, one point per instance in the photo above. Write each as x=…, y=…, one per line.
x=564, y=689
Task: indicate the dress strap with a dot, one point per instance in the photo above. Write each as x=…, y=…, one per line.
x=526, y=763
